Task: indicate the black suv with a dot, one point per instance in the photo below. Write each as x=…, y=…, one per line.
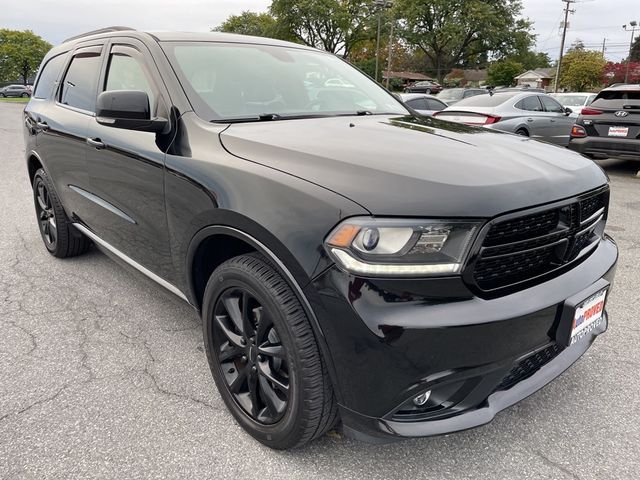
x=351, y=262
x=610, y=126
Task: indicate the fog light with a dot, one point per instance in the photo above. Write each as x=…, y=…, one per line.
x=421, y=399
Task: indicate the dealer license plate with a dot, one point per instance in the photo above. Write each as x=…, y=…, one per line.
x=588, y=315
x=618, y=131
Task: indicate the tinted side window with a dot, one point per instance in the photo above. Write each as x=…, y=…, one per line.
x=48, y=76
x=531, y=104
x=81, y=81
x=127, y=73
x=550, y=105
x=418, y=104
x=435, y=105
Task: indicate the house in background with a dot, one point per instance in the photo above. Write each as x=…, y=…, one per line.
x=538, y=78
x=466, y=78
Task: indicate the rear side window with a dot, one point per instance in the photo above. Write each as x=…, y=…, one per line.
x=617, y=98
x=418, y=104
x=530, y=104
x=81, y=81
x=49, y=76
x=435, y=105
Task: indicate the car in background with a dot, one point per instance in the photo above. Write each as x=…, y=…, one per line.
x=530, y=114
x=610, y=126
x=454, y=95
x=426, y=86
x=16, y=91
x=423, y=104
x=576, y=101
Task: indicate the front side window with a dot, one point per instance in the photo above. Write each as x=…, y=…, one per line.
x=127, y=73
x=81, y=81
x=550, y=105
x=48, y=76
x=230, y=81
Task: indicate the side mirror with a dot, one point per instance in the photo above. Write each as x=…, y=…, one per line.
x=128, y=109
x=568, y=111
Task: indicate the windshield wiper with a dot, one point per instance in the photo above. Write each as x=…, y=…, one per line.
x=267, y=117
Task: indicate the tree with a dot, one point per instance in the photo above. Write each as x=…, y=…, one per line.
x=582, y=69
x=531, y=60
x=332, y=25
x=455, y=33
x=635, y=50
x=614, y=72
x=503, y=72
x=251, y=23
x=20, y=54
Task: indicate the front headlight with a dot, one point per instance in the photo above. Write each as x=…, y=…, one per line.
x=401, y=247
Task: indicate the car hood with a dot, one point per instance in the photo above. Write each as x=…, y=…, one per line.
x=416, y=166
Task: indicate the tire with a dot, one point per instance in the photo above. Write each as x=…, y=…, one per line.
x=427, y=91
x=24, y=95
x=60, y=237
x=523, y=132
x=1, y=95
x=282, y=347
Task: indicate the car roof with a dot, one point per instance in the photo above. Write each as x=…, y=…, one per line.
x=625, y=86
x=411, y=96
x=164, y=36
x=572, y=93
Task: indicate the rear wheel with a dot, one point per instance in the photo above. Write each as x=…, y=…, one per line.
x=427, y=91
x=59, y=235
x=263, y=354
x=24, y=95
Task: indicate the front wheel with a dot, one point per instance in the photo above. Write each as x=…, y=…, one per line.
x=263, y=354
x=60, y=237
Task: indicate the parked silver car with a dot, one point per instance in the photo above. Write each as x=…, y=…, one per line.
x=532, y=114
x=422, y=103
x=16, y=91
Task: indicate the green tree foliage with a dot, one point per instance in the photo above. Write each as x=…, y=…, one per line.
x=582, y=69
x=332, y=25
x=459, y=32
x=251, y=23
x=503, y=72
x=20, y=54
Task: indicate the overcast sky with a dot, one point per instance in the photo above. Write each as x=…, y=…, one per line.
x=56, y=20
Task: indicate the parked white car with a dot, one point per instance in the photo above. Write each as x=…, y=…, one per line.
x=576, y=101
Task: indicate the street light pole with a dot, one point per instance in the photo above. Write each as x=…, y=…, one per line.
x=564, y=34
x=633, y=24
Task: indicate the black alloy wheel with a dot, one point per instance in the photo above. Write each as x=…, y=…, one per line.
x=59, y=235
x=264, y=356
x=46, y=215
x=251, y=355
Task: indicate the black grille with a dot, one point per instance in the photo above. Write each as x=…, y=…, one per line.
x=523, y=248
x=526, y=367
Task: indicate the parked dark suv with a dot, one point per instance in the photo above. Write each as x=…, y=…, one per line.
x=406, y=276
x=610, y=126
x=15, y=91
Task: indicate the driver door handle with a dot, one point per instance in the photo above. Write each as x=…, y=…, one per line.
x=96, y=142
x=42, y=125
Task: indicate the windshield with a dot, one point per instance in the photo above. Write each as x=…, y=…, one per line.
x=231, y=81
x=571, y=100
x=451, y=94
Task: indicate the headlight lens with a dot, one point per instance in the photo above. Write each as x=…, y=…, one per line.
x=401, y=247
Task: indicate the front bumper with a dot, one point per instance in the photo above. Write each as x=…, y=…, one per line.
x=392, y=340
x=603, y=147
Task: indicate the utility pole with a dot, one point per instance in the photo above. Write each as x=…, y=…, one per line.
x=564, y=34
x=389, y=54
x=633, y=24
x=380, y=4
x=604, y=45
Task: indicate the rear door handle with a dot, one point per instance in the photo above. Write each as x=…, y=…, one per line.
x=96, y=142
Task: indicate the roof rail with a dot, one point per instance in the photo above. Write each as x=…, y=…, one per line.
x=100, y=30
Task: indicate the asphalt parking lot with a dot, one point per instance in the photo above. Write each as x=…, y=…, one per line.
x=103, y=375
